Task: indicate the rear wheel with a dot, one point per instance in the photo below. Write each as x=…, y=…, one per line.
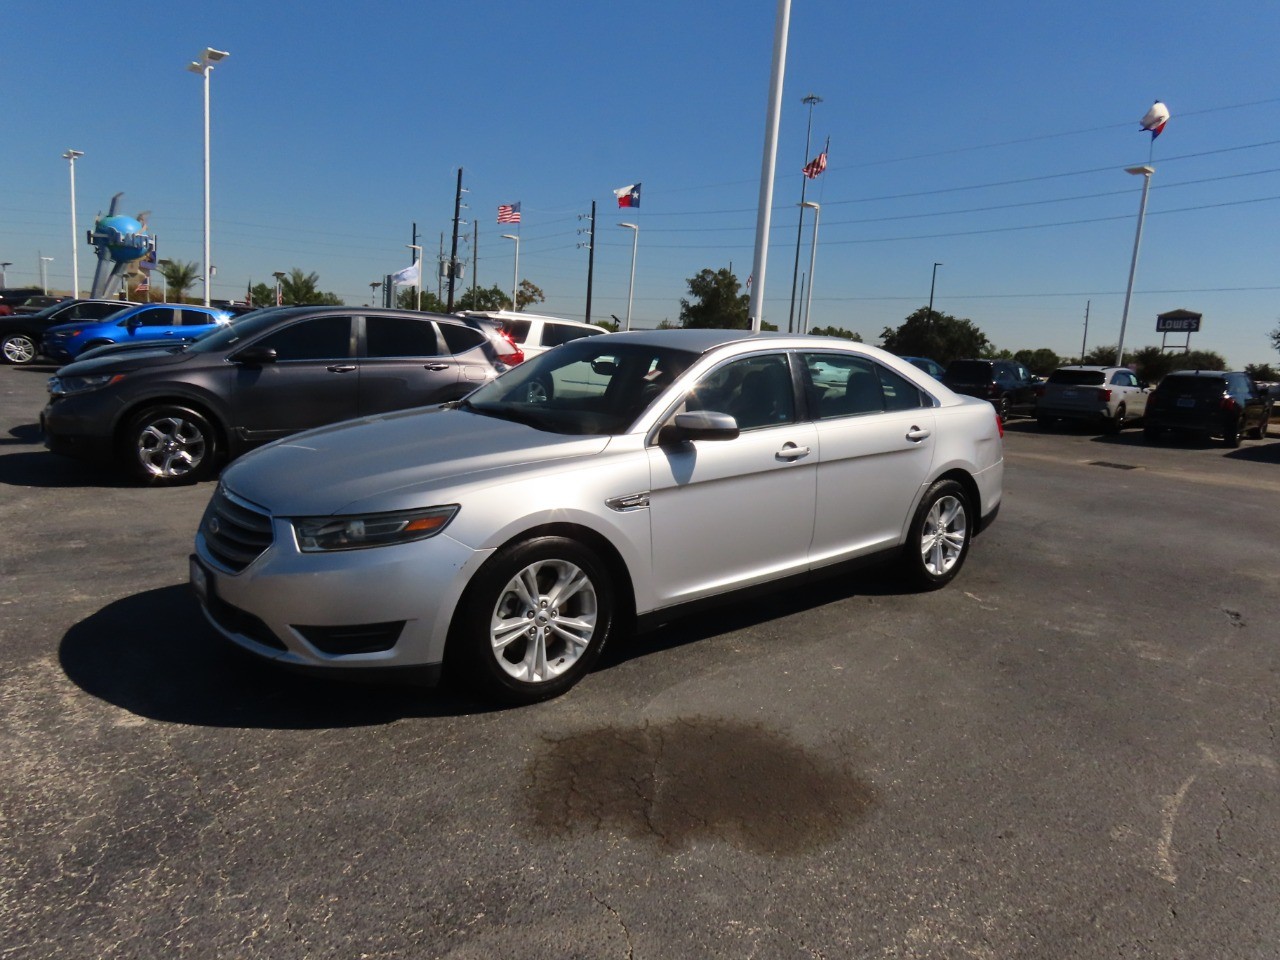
x=1233, y=432
x=533, y=620
x=1118, y=422
x=166, y=445
x=1260, y=431
x=1151, y=434
x=939, y=537
x=18, y=348
x=1004, y=408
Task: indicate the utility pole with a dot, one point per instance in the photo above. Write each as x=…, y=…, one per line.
x=1085, y=338
x=413, y=242
x=475, y=257
x=591, y=256
x=453, y=253
x=440, y=268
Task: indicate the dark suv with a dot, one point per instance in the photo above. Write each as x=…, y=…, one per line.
x=1211, y=403
x=172, y=414
x=1009, y=385
x=20, y=334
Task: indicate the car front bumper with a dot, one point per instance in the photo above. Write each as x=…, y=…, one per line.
x=380, y=609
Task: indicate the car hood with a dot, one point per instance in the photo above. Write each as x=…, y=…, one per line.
x=394, y=461
x=126, y=361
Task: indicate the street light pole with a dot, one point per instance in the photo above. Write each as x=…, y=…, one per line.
x=44, y=277
x=768, y=163
x=3, y=267
x=1144, y=172
x=279, y=275
x=70, y=156
x=635, y=242
x=811, y=100
x=813, y=257
x=515, y=272
x=932, y=283
x=203, y=66
x=373, y=289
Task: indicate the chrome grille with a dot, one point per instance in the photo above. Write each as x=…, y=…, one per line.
x=235, y=532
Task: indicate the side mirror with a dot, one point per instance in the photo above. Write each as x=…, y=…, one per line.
x=604, y=367
x=698, y=425
x=255, y=356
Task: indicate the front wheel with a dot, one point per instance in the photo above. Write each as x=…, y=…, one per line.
x=18, y=348
x=533, y=621
x=166, y=445
x=939, y=537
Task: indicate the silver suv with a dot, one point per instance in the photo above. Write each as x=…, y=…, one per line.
x=1112, y=397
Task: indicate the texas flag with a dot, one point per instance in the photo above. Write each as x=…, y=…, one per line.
x=1155, y=119
x=628, y=196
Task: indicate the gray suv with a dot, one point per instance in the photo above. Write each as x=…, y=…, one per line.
x=1112, y=397
x=173, y=414
x=1209, y=403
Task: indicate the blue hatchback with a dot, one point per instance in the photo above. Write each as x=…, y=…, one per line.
x=159, y=322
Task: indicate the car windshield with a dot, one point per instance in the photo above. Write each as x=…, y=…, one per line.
x=587, y=386
x=1077, y=378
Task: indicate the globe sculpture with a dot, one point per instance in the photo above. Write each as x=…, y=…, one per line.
x=120, y=241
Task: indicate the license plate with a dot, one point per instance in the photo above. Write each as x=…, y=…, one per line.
x=1068, y=393
x=199, y=578
x=1186, y=401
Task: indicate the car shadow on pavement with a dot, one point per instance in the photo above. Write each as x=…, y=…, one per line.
x=753, y=608
x=154, y=655
x=44, y=469
x=27, y=433
x=1268, y=452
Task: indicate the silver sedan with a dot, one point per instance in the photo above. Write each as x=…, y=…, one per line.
x=607, y=484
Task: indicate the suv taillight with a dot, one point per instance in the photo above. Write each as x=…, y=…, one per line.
x=1229, y=405
x=1104, y=394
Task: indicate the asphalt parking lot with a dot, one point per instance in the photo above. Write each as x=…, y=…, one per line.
x=1069, y=752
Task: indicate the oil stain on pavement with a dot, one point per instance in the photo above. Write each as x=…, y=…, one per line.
x=684, y=780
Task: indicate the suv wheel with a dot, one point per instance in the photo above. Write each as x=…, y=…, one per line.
x=18, y=348
x=1232, y=433
x=1118, y=422
x=166, y=445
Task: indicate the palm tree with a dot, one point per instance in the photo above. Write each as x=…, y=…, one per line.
x=179, y=277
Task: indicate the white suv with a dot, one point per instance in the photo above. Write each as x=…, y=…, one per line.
x=1111, y=396
x=536, y=334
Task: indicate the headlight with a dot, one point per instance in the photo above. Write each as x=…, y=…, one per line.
x=66, y=386
x=318, y=534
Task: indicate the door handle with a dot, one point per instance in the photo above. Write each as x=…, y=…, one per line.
x=341, y=368
x=916, y=434
x=791, y=452
x=435, y=366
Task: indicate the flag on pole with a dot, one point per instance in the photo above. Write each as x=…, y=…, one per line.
x=816, y=165
x=509, y=213
x=628, y=196
x=409, y=276
x=1155, y=119
x=144, y=284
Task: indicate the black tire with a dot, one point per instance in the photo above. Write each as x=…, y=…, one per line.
x=1004, y=409
x=499, y=643
x=166, y=445
x=939, y=537
x=18, y=348
x=1260, y=431
x=1044, y=423
x=1233, y=432
x=1151, y=434
x=1118, y=422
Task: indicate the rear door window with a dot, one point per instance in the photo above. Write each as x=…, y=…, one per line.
x=400, y=337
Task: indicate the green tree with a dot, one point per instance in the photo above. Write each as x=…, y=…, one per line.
x=717, y=302
x=938, y=336
x=1154, y=364
x=528, y=294
x=407, y=299
x=483, y=298
x=1042, y=361
x=304, y=288
x=1262, y=372
x=836, y=332
x=179, y=278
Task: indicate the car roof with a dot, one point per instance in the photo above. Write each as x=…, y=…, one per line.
x=522, y=315
x=1199, y=373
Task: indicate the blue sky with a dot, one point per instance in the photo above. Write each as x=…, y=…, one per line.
x=990, y=137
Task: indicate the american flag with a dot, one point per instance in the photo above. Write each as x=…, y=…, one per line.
x=144, y=284
x=816, y=166
x=509, y=213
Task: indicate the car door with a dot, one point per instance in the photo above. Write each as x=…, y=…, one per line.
x=1133, y=394
x=404, y=363
x=876, y=440
x=151, y=324
x=313, y=380
x=729, y=513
